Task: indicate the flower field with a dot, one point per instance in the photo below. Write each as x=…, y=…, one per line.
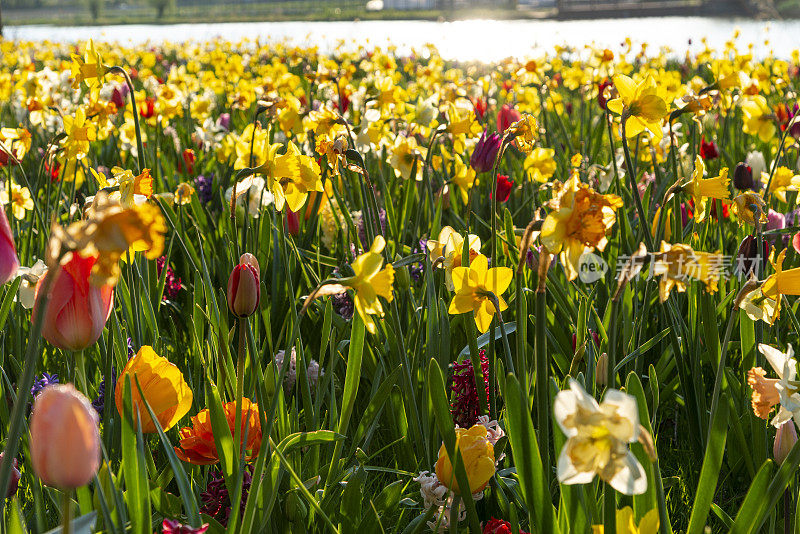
x=256, y=287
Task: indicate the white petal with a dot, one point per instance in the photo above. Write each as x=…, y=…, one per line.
x=626, y=408
x=567, y=474
x=630, y=479
x=781, y=417
x=776, y=358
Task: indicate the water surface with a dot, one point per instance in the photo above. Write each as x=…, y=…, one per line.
x=483, y=40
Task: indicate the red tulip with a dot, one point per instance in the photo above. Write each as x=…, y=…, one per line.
x=506, y=117
x=292, y=222
x=78, y=310
x=708, y=149
x=65, y=440
x=504, y=187
x=244, y=286
x=9, y=263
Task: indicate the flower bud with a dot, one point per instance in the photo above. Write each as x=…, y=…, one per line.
x=13, y=482
x=504, y=187
x=775, y=220
x=785, y=438
x=77, y=310
x=506, y=117
x=244, y=286
x=482, y=159
x=757, y=163
x=708, y=149
x=747, y=256
x=601, y=370
x=9, y=262
x=65, y=440
x=743, y=177
x=292, y=222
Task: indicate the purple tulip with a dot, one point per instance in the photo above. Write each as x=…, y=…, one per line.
x=485, y=152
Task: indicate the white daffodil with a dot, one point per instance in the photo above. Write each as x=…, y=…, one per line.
x=785, y=366
x=450, y=246
x=598, y=437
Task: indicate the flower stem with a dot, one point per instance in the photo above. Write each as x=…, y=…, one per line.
x=139, y=144
x=240, y=385
x=648, y=239
x=66, y=511
x=542, y=379
x=609, y=509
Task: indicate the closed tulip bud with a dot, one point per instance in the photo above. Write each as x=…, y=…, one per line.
x=65, y=440
x=9, y=262
x=775, y=220
x=506, y=117
x=743, y=177
x=601, y=370
x=292, y=222
x=478, y=454
x=244, y=287
x=785, y=438
x=748, y=256
x=163, y=386
x=77, y=310
x=485, y=152
x=13, y=482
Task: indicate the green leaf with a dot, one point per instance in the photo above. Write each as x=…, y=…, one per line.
x=709, y=474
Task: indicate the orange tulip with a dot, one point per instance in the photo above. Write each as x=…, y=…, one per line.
x=78, y=310
x=197, y=444
x=65, y=440
x=164, y=389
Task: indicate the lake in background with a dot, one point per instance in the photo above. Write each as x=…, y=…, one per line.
x=483, y=40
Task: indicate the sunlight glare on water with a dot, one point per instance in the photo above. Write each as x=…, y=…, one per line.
x=480, y=40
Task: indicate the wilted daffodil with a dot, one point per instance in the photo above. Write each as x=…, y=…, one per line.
x=333, y=150
x=639, y=105
x=370, y=282
x=701, y=189
x=450, y=246
x=597, y=439
x=131, y=185
x=769, y=392
x=749, y=207
x=478, y=455
x=579, y=221
x=163, y=386
x=524, y=132
x=677, y=263
x=472, y=286
x=626, y=523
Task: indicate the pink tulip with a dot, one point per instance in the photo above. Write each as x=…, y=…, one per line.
x=9, y=263
x=244, y=286
x=506, y=117
x=78, y=310
x=65, y=439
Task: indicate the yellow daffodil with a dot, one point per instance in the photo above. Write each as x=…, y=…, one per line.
x=701, y=189
x=478, y=455
x=164, y=388
x=540, y=164
x=639, y=105
x=16, y=140
x=462, y=124
x=626, y=523
x=131, y=185
x=749, y=207
x=579, y=221
x=19, y=197
x=784, y=179
x=758, y=118
x=370, y=282
x=80, y=133
x=406, y=156
x=88, y=69
x=597, y=439
x=183, y=194
x=677, y=263
x=464, y=177
x=472, y=287
x=450, y=246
